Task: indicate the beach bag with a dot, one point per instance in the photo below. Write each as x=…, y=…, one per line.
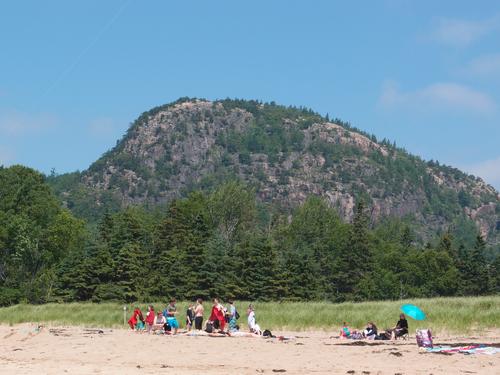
x=424, y=338
x=167, y=327
x=237, y=315
x=267, y=333
x=356, y=336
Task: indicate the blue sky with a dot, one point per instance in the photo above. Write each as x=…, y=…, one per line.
x=75, y=74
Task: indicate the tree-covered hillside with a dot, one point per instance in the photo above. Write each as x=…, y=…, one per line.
x=286, y=154
x=222, y=243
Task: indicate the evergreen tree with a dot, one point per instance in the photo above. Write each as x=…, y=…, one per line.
x=356, y=259
x=474, y=270
x=130, y=277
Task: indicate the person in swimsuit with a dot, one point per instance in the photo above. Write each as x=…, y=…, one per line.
x=198, y=314
x=160, y=322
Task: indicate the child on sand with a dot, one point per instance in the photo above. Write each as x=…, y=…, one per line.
x=150, y=318
x=189, y=317
x=136, y=320
x=344, y=332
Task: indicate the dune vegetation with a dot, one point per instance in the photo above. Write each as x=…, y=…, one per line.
x=450, y=315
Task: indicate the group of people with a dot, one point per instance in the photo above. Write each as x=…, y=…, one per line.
x=222, y=319
x=371, y=331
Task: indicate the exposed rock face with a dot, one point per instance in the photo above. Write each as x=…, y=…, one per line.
x=196, y=144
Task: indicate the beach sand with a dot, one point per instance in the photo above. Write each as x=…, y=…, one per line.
x=24, y=349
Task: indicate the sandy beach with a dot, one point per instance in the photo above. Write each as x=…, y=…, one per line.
x=24, y=349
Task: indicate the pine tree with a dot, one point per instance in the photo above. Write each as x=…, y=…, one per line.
x=474, y=270
x=129, y=272
x=358, y=262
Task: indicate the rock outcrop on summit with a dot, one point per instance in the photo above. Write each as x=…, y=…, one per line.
x=286, y=154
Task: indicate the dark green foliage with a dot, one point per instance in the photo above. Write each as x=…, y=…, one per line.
x=215, y=239
x=36, y=235
x=224, y=244
x=474, y=270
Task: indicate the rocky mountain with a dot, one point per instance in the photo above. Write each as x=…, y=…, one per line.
x=286, y=154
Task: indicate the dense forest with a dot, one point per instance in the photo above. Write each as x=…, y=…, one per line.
x=222, y=242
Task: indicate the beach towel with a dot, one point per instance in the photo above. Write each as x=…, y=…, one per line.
x=471, y=349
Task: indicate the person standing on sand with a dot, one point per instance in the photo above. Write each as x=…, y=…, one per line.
x=233, y=316
x=189, y=317
x=171, y=319
x=150, y=318
x=198, y=314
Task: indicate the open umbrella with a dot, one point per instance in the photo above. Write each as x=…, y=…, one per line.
x=413, y=312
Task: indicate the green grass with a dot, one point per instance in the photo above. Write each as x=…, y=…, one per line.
x=453, y=315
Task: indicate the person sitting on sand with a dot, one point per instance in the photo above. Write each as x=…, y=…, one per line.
x=371, y=331
x=217, y=316
x=171, y=319
x=345, y=333
x=198, y=314
x=160, y=322
x=252, y=323
x=150, y=318
x=135, y=319
x=401, y=328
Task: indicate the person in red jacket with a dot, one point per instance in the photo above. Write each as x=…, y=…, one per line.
x=218, y=315
x=150, y=318
x=136, y=317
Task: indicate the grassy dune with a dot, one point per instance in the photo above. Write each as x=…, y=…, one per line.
x=452, y=315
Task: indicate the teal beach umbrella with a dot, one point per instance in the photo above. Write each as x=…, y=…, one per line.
x=413, y=312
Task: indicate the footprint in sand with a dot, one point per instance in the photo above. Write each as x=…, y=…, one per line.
x=9, y=334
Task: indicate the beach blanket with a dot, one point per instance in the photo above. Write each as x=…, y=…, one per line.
x=471, y=349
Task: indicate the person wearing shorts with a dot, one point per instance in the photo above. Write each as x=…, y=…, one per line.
x=171, y=319
x=198, y=314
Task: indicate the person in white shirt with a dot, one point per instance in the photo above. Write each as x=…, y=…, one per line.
x=252, y=323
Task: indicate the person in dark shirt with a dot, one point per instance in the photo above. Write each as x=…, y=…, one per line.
x=401, y=328
x=370, y=331
x=189, y=317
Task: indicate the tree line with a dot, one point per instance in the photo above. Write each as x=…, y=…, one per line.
x=221, y=243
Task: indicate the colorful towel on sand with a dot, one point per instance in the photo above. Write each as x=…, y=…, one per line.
x=472, y=349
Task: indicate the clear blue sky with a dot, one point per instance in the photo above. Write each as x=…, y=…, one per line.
x=75, y=74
